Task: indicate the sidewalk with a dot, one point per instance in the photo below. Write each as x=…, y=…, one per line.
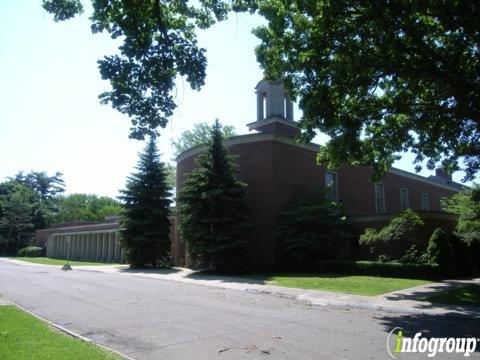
x=402, y=301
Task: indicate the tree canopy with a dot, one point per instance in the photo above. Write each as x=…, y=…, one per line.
x=85, y=207
x=46, y=188
x=466, y=205
x=380, y=79
x=18, y=207
x=201, y=133
x=159, y=44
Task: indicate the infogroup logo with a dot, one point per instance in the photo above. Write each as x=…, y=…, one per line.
x=397, y=343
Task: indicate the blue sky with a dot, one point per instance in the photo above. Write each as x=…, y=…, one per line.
x=50, y=116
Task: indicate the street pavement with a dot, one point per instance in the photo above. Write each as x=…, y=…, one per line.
x=151, y=318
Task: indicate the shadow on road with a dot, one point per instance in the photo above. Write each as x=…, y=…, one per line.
x=440, y=326
x=423, y=294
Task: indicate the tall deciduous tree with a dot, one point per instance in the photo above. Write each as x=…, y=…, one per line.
x=212, y=209
x=201, y=133
x=159, y=43
x=17, y=209
x=381, y=78
x=85, y=207
x=47, y=188
x=146, y=227
x=466, y=205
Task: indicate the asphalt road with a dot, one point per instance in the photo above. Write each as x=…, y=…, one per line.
x=157, y=319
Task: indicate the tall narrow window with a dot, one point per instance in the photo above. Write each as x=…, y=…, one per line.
x=264, y=106
x=379, y=198
x=404, y=203
x=331, y=185
x=425, y=201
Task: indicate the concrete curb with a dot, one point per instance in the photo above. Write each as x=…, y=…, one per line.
x=377, y=303
x=67, y=331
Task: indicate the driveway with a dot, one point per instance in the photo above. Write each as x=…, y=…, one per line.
x=148, y=318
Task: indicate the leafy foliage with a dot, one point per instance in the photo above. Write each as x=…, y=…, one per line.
x=380, y=79
x=171, y=171
x=440, y=251
x=85, y=207
x=200, y=134
x=31, y=251
x=313, y=228
x=16, y=215
x=466, y=205
x=47, y=188
x=146, y=227
x=159, y=44
x=212, y=209
x=394, y=239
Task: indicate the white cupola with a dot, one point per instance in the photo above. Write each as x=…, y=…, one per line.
x=274, y=110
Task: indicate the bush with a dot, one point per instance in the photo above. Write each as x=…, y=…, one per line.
x=440, y=251
x=395, y=239
x=464, y=256
x=313, y=228
x=31, y=251
x=375, y=268
x=414, y=256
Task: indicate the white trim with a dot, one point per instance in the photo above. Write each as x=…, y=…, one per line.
x=404, y=189
x=336, y=182
x=271, y=120
x=416, y=177
x=251, y=138
x=247, y=139
x=428, y=201
x=383, y=197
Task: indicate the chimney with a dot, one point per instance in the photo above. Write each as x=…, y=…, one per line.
x=443, y=174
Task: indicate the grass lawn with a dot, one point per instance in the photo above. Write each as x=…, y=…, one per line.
x=23, y=336
x=49, y=261
x=465, y=295
x=349, y=284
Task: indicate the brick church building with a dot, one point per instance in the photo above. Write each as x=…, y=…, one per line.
x=276, y=169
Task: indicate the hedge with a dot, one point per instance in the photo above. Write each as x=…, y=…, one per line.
x=31, y=251
x=375, y=268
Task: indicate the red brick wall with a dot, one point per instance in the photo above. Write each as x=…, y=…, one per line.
x=276, y=171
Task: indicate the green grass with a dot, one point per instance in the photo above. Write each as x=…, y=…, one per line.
x=466, y=295
x=355, y=284
x=23, y=336
x=49, y=261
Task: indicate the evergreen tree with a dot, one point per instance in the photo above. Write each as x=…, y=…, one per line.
x=212, y=209
x=145, y=223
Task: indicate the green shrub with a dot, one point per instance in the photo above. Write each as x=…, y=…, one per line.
x=414, y=256
x=440, y=250
x=313, y=228
x=31, y=251
x=393, y=240
x=375, y=268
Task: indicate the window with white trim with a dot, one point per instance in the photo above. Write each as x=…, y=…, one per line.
x=404, y=201
x=379, y=198
x=425, y=201
x=331, y=185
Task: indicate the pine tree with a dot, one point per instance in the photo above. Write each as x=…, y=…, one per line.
x=145, y=223
x=212, y=210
